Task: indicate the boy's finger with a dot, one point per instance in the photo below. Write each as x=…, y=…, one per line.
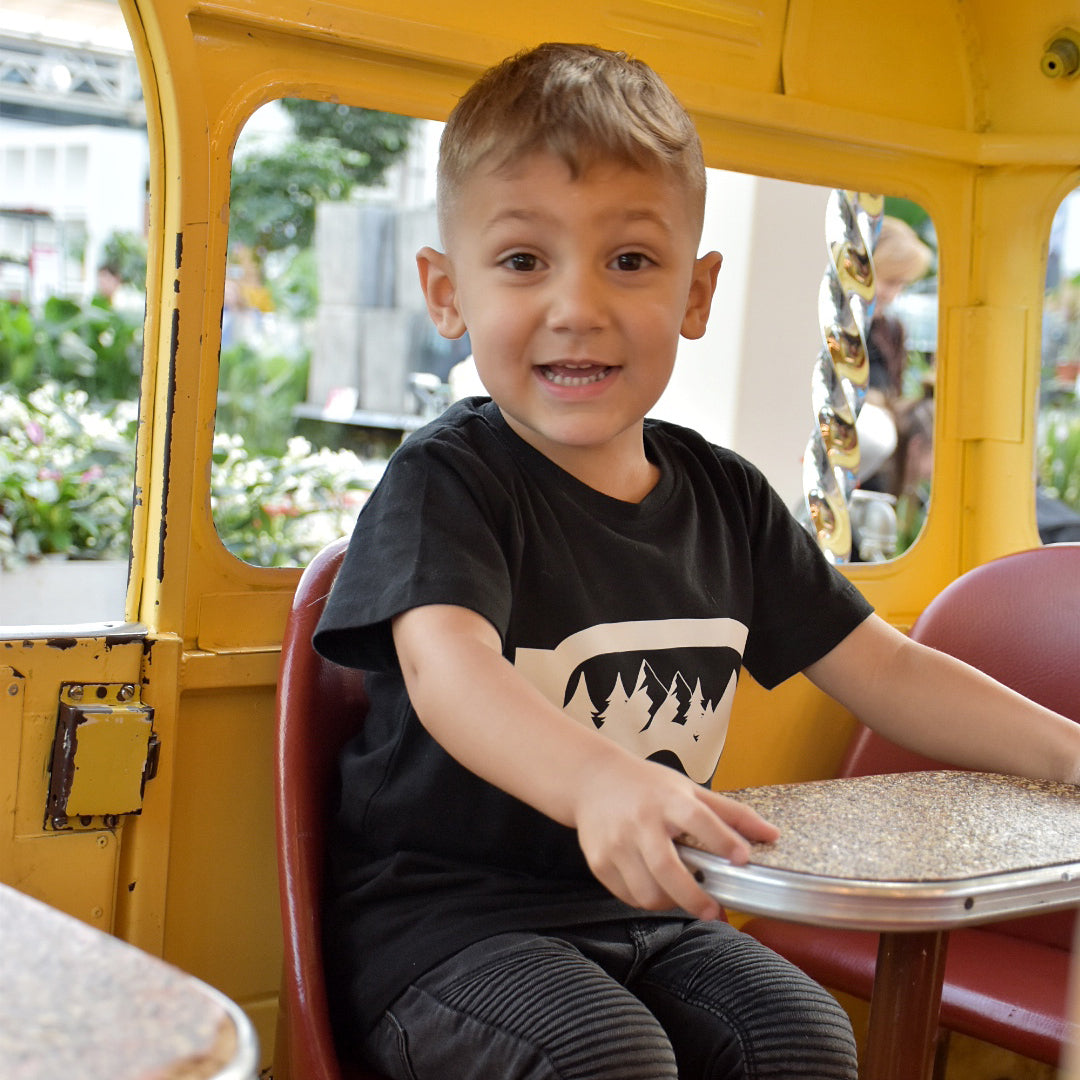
x=744, y=819
x=693, y=898
x=717, y=839
x=679, y=882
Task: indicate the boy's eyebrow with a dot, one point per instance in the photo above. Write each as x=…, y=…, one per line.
x=645, y=213
x=517, y=214
x=625, y=213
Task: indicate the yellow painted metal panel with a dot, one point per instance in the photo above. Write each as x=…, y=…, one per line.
x=785, y=735
x=992, y=405
x=241, y=620
x=109, y=758
x=12, y=695
x=143, y=875
x=72, y=870
x=222, y=916
x=837, y=54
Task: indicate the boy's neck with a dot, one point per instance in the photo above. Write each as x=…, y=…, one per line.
x=620, y=470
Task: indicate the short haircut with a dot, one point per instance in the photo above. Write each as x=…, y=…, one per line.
x=583, y=104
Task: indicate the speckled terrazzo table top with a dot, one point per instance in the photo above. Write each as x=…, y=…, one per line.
x=77, y=1003
x=918, y=826
x=905, y=851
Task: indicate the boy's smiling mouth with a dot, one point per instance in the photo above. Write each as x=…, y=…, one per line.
x=565, y=374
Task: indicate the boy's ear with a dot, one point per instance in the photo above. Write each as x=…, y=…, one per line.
x=699, y=301
x=437, y=281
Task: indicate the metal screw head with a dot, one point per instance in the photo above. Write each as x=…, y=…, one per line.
x=125, y=693
x=1061, y=58
x=75, y=693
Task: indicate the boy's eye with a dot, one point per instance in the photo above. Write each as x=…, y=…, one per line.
x=521, y=261
x=631, y=260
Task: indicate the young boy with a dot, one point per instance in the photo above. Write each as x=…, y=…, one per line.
x=553, y=597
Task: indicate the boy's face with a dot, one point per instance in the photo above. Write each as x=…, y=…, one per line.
x=574, y=293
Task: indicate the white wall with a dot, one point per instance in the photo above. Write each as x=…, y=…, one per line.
x=1066, y=234
x=746, y=383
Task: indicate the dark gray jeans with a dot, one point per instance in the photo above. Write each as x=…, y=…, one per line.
x=651, y=999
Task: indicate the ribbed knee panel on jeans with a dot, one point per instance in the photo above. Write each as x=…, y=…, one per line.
x=786, y=1025
x=588, y=1026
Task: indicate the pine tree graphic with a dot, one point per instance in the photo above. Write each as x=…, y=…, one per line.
x=656, y=715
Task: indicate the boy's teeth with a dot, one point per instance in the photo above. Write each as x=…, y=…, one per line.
x=567, y=375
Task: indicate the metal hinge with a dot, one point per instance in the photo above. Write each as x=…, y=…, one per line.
x=104, y=752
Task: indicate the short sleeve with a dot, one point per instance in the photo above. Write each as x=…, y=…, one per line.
x=436, y=530
x=803, y=605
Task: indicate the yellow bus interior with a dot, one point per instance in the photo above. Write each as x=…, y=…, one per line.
x=954, y=105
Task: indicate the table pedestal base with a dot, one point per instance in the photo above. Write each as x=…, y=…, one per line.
x=903, y=1017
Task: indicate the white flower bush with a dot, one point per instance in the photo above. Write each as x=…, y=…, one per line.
x=66, y=479
x=65, y=476
x=281, y=511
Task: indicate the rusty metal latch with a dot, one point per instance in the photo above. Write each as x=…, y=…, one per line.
x=104, y=751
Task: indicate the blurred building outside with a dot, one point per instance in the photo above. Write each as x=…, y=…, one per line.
x=73, y=154
x=74, y=170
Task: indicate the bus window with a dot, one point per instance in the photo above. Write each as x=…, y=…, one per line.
x=748, y=383
x=328, y=357
x=1057, y=494
x=74, y=166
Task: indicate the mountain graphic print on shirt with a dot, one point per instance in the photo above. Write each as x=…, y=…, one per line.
x=660, y=689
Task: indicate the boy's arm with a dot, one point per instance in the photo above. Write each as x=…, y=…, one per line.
x=939, y=706
x=626, y=811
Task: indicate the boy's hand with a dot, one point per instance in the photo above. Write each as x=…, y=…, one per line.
x=629, y=817
x=627, y=812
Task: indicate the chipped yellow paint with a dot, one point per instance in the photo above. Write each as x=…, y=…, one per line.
x=101, y=750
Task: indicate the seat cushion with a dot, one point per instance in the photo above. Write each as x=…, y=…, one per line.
x=1024, y=1013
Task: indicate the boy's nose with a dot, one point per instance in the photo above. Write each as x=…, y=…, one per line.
x=578, y=302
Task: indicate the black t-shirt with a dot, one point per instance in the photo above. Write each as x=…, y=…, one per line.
x=633, y=618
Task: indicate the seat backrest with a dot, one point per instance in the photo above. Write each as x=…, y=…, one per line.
x=319, y=706
x=1018, y=619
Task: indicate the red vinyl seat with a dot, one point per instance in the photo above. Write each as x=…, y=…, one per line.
x=1018, y=619
x=319, y=705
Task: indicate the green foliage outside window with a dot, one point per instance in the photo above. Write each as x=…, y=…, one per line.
x=1059, y=455
x=335, y=149
x=91, y=347
x=67, y=456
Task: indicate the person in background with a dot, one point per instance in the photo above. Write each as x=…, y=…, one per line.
x=892, y=417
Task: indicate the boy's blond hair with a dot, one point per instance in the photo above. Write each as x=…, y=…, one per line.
x=581, y=103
